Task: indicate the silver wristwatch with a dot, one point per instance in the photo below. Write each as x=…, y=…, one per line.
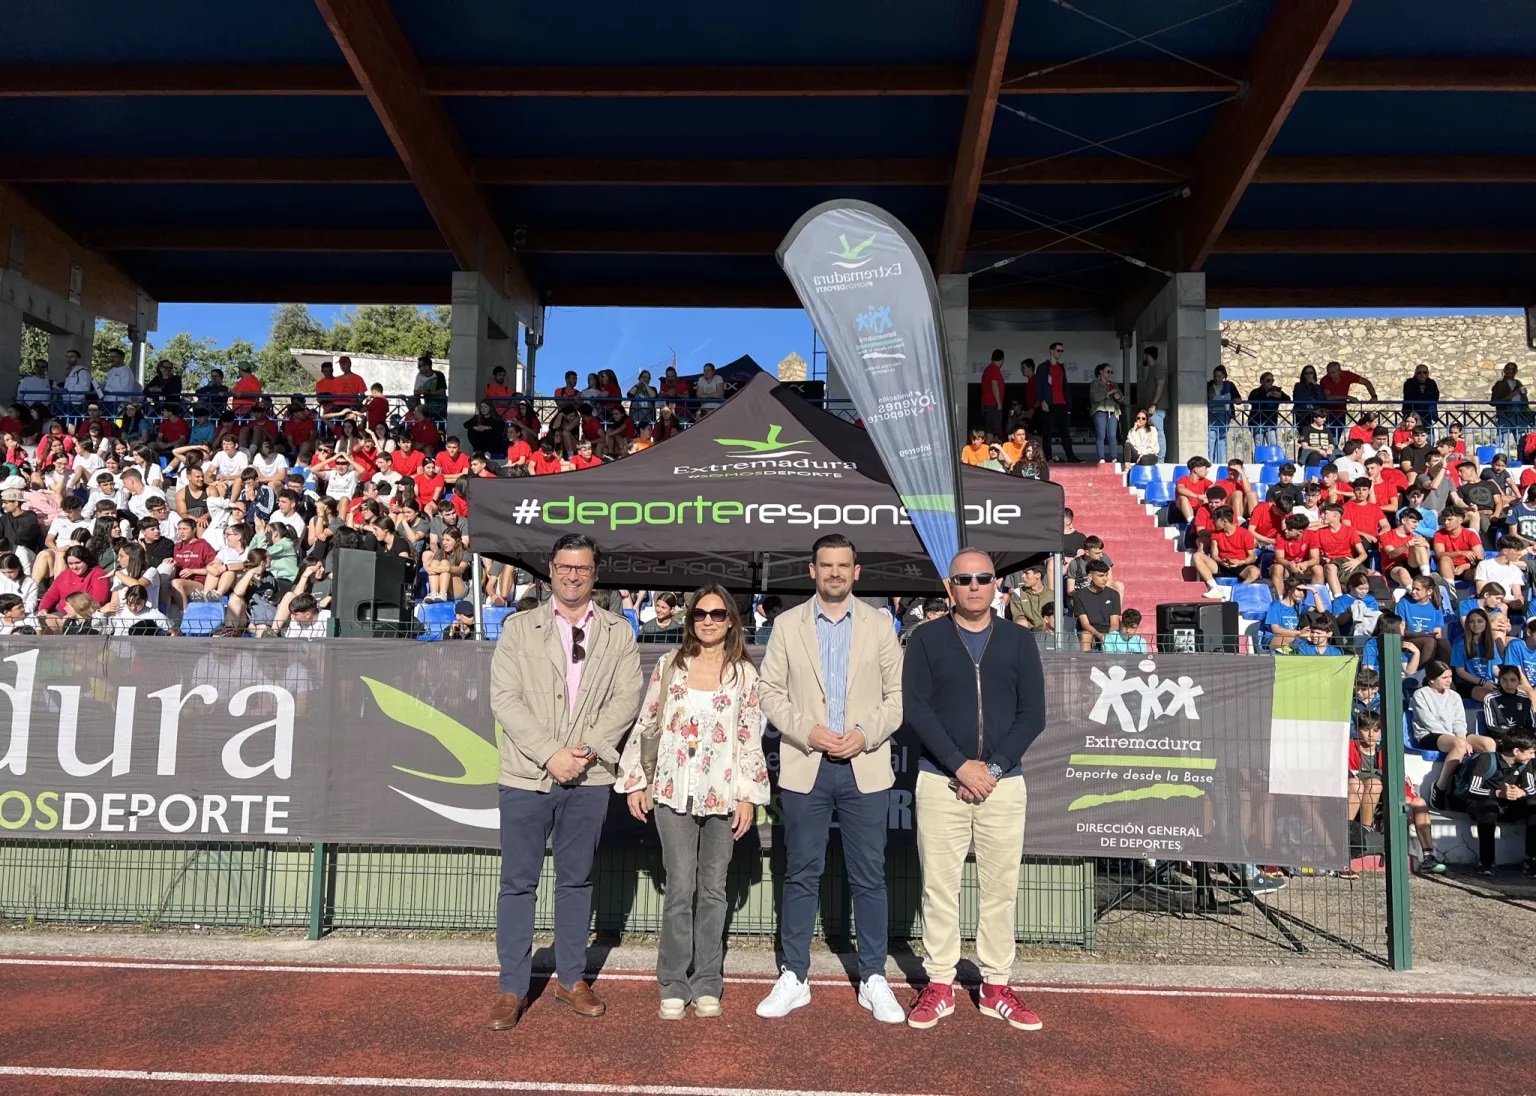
x=996, y=770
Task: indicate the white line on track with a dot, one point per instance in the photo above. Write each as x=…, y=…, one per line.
x=193, y=966
x=450, y=1083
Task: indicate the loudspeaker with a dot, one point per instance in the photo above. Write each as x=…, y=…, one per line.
x=1207, y=627
x=371, y=594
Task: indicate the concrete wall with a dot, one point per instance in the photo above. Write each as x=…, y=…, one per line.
x=1464, y=353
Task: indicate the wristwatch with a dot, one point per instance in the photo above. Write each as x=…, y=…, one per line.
x=995, y=770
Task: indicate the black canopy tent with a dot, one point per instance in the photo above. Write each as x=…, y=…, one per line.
x=739, y=497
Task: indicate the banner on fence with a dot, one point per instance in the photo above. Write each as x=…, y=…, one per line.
x=1179, y=757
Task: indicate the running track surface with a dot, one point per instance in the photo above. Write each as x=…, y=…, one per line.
x=127, y=1028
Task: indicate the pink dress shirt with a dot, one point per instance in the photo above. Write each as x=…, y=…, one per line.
x=572, y=668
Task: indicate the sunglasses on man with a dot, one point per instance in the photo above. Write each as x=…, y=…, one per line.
x=978, y=578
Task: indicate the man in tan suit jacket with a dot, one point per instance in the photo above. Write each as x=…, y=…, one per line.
x=565, y=687
x=831, y=683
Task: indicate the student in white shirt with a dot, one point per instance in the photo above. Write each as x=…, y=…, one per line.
x=136, y=609
x=1503, y=569
x=227, y=464
x=14, y=617
x=271, y=466
x=15, y=580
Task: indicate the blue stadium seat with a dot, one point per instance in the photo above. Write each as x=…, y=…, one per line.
x=1226, y=580
x=491, y=618
x=1159, y=493
x=634, y=619
x=1270, y=473
x=1486, y=453
x=1252, y=599
x=1179, y=472
x=202, y=618
x=1312, y=473
x=436, y=616
x=1140, y=475
x=1268, y=454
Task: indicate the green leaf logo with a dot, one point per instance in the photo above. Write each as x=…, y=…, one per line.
x=854, y=252
x=480, y=760
x=754, y=448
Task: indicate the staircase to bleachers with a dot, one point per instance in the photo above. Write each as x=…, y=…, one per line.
x=1146, y=557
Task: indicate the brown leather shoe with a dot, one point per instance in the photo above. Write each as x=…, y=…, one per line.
x=506, y=1012
x=582, y=1000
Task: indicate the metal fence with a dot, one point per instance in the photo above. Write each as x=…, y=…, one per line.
x=1250, y=428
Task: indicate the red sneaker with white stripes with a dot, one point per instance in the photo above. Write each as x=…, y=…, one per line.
x=933, y=1004
x=1000, y=1001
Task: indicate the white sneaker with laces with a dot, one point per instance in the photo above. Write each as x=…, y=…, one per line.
x=788, y=994
x=876, y=996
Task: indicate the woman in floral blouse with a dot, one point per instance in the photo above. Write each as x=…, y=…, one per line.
x=701, y=722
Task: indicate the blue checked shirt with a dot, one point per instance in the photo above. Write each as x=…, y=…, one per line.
x=833, y=640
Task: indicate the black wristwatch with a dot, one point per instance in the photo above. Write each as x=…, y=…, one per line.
x=995, y=769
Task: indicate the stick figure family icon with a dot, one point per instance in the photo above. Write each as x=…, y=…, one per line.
x=1116, y=684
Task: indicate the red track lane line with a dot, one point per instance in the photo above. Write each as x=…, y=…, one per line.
x=621, y=975
x=422, y=1030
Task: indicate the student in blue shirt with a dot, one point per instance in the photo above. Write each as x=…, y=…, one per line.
x=1316, y=630
x=1490, y=600
x=1475, y=660
x=1422, y=618
x=1282, y=620
x=1370, y=653
x=1521, y=652
x=1357, y=588
x=1429, y=520
x=1522, y=515
x=1125, y=640
x=1367, y=694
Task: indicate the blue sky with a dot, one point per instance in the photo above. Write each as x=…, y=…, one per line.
x=625, y=339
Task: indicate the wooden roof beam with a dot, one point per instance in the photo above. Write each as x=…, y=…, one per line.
x=975, y=132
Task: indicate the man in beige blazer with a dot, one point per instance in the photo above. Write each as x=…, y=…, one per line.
x=831, y=683
x=565, y=687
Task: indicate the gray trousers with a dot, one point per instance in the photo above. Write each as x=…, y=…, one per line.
x=696, y=852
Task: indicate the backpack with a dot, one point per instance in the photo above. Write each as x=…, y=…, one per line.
x=1481, y=764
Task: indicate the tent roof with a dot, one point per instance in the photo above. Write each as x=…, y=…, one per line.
x=740, y=497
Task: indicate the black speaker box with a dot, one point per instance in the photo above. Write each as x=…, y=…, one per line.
x=371, y=594
x=1207, y=627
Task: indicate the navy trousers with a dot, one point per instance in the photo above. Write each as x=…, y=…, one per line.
x=574, y=815
x=807, y=823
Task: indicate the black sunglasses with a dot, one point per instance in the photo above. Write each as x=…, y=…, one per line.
x=719, y=616
x=578, y=637
x=979, y=578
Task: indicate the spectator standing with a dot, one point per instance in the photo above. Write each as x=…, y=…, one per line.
x=37, y=388
x=1106, y=402
x=1152, y=393
x=431, y=385
x=1512, y=407
x=696, y=757
x=1306, y=394
x=974, y=693
x=836, y=714
x=1264, y=410
x=79, y=385
x=1221, y=398
x=566, y=685
x=500, y=395
x=1336, y=384
x=642, y=400
x=710, y=387
x=1421, y=395
x=1055, y=412
x=992, y=396
x=247, y=388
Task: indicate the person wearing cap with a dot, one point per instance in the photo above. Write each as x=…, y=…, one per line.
x=247, y=389
x=463, y=626
x=19, y=526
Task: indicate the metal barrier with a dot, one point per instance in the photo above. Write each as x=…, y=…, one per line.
x=1250, y=427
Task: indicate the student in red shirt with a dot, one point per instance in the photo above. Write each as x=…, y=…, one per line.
x=430, y=484
x=992, y=390
x=1296, y=555
x=1458, y=550
x=246, y=389
x=1340, y=548
x=172, y=431
x=584, y=457
x=299, y=425
x=1387, y=482
x=452, y=462
x=519, y=452
x=547, y=461
x=1364, y=429
x=423, y=430
x=1403, y=435
x=365, y=458
x=1189, y=491
x=376, y=410
x=407, y=457
x=1266, y=522
x=1363, y=515
x=571, y=390
x=1404, y=553
x=1229, y=552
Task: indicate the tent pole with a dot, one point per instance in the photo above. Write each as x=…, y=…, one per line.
x=479, y=595
x=1058, y=577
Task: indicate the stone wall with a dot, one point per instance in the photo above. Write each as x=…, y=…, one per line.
x=1465, y=354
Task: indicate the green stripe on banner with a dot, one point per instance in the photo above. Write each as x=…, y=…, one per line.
x=1314, y=687
x=944, y=504
x=1144, y=762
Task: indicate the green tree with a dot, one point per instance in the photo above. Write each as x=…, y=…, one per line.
x=34, y=345
x=395, y=330
x=293, y=327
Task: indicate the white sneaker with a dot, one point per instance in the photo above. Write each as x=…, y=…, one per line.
x=788, y=994
x=1216, y=593
x=876, y=996
x=672, y=1008
x=706, y=1007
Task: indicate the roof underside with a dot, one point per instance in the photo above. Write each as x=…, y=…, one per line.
x=229, y=151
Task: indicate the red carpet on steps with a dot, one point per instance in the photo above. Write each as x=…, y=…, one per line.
x=1146, y=560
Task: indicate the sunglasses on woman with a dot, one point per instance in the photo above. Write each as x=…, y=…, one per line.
x=719, y=616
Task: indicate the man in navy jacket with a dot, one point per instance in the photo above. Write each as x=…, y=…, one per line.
x=973, y=691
